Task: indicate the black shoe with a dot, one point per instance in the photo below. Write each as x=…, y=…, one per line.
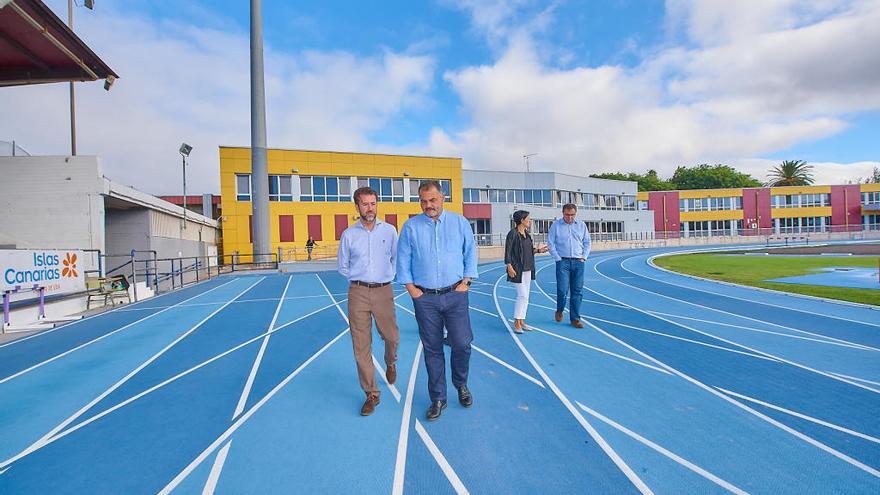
x=464, y=396
x=436, y=408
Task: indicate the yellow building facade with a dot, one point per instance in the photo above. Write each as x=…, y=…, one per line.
x=310, y=194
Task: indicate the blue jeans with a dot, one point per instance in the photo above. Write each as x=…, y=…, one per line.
x=569, y=277
x=433, y=312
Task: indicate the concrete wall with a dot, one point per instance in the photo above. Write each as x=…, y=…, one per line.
x=51, y=202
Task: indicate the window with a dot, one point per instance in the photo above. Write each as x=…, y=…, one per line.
x=786, y=201
x=243, y=187
x=280, y=188
x=332, y=189
x=871, y=198
x=629, y=202
x=643, y=205
x=445, y=187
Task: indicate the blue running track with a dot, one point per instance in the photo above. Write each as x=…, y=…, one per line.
x=247, y=384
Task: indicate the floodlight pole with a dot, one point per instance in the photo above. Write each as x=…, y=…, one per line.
x=259, y=161
x=184, y=190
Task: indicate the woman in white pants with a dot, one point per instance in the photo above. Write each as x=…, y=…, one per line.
x=519, y=256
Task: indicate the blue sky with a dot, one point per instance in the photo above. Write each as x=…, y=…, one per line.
x=589, y=86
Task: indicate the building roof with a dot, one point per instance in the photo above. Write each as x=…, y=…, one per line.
x=37, y=47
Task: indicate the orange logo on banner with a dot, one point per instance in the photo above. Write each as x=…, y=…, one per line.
x=69, y=269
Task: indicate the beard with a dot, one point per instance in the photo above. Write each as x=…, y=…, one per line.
x=368, y=217
x=433, y=212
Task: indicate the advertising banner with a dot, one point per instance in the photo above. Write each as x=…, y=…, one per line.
x=60, y=272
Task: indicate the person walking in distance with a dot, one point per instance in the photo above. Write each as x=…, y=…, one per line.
x=519, y=256
x=436, y=260
x=569, y=244
x=310, y=245
x=366, y=257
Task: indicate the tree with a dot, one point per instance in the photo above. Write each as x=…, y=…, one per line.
x=790, y=173
x=705, y=176
x=874, y=178
x=647, y=182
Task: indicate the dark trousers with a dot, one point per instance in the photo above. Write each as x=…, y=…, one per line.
x=569, y=277
x=433, y=312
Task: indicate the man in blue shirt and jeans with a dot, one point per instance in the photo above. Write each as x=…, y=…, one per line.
x=569, y=244
x=436, y=260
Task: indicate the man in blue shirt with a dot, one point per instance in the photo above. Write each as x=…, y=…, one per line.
x=367, y=250
x=436, y=260
x=569, y=243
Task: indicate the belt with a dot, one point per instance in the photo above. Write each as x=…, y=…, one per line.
x=369, y=285
x=443, y=290
x=569, y=258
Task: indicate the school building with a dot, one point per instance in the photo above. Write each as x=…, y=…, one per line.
x=764, y=211
x=310, y=195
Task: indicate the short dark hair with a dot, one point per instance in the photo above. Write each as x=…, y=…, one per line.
x=428, y=184
x=569, y=206
x=519, y=216
x=363, y=191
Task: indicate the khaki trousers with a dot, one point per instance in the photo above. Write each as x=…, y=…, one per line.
x=364, y=305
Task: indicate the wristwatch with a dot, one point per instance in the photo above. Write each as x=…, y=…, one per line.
x=468, y=283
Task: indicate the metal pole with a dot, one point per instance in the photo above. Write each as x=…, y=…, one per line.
x=184, y=190
x=260, y=168
x=72, y=105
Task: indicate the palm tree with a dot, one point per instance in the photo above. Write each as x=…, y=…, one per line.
x=790, y=173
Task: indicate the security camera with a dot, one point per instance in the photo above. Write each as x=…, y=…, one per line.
x=109, y=82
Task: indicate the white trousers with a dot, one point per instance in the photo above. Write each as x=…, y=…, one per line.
x=522, y=296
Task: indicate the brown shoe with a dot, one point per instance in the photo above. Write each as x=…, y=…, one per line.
x=391, y=373
x=577, y=324
x=370, y=404
x=559, y=316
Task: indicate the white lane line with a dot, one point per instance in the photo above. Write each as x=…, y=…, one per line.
x=680, y=460
x=479, y=292
x=126, y=307
x=733, y=314
x=855, y=378
x=603, y=351
x=243, y=418
x=48, y=436
x=438, y=456
x=767, y=354
x=782, y=426
x=216, y=469
x=508, y=366
x=3, y=470
x=774, y=307
x=697, y=342
x=172, y=379
x=246, y=391
x=758, y=330
x=102, y=337
x=403, y=438
x=609, y=451
x=803, y=416
x=493, y=315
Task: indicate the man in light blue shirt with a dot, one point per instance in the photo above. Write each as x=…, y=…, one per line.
x=569, y=244
x=436, y=260
x=367, y=250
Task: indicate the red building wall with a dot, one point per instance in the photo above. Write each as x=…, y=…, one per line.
x=846, y=199
x=667, y=219
x=756, y=209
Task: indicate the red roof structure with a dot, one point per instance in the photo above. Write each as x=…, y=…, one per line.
x=37, y=47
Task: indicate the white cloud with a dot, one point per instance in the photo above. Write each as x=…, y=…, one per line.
x=180, y=83
x=758, y=78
